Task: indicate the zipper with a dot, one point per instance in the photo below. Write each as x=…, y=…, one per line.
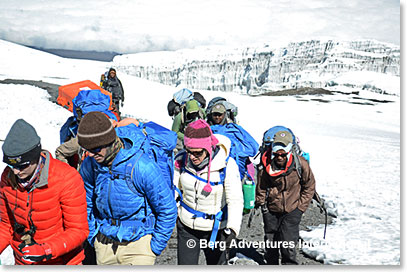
x=108, y=194
x=282, y=192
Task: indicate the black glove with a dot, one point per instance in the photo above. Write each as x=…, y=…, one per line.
x=228, y=236
x=264, y=209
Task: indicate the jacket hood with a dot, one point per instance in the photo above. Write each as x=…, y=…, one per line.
x=132, y=138
x=192, y=106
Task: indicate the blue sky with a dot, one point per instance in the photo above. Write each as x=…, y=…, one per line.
x=129, y=26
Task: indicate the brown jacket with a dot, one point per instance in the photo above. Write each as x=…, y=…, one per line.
x=285, y=193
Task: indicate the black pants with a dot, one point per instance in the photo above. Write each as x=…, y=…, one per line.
x=282, y=227
x=189, y=255
x=90, y=254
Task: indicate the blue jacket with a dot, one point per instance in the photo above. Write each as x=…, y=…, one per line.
x=143, y=196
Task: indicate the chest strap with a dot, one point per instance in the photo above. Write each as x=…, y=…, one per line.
x=222, y=214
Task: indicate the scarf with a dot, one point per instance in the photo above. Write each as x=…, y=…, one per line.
x=112, y=151
x=271, y=168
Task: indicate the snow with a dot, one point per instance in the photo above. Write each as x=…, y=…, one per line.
x=355, y=149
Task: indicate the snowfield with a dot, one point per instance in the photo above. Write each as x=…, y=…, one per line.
x=354, y=148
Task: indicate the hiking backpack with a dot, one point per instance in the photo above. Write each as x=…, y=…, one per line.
x=231, y=109
x=180, y=98
x=158, y=143
x=86, y=101
x=268, y=137
x=243, y=145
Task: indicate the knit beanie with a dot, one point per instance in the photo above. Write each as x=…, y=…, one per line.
x=198, y=134
x=282, y=140
x=95, y=130
x=22, y=144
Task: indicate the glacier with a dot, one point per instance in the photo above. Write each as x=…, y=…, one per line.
x=364, y=64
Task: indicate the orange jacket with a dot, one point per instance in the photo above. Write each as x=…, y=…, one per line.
x=58, y=210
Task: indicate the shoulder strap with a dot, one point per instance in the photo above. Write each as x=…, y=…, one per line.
x=297, y=160
x=129, y=173
x=222, y=173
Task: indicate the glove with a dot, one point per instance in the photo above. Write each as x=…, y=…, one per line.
x=121, y=104
x=228, y=236
x=36, y=253
x=264, y=209
x=258, y=205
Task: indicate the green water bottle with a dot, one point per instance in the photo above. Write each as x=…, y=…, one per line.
x=249, y=194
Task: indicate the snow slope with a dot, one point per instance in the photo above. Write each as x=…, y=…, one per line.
x=355, y=149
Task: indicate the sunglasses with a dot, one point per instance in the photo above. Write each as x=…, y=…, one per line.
x=95, y=150
x=282, y=155
x=196, y=154
x=192, y=115
x=20, y=167
x=217, y=114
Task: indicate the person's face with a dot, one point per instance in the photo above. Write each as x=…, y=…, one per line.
x=24, y=171
x=112, y=73
x=280, y=158
x=99, y=154
x=217, y=117
x=196, y=155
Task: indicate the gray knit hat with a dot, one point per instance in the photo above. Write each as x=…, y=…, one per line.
x=22, y=144
x=95, y=130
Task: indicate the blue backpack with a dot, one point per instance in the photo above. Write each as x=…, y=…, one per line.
x=268, y=137
x=158, y=143
x=86, y=101
x=243, y=145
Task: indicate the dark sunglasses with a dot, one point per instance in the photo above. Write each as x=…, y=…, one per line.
x=217, y=114
x=96, y=150
x=20, y=167
x=196, y=154
x=283, y=155
x=193, y=115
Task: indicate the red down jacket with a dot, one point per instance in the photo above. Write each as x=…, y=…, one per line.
x=58, y=210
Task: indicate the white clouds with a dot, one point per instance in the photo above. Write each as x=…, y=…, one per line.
x=134, y=26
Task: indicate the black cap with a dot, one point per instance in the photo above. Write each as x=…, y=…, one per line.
x=22, y=144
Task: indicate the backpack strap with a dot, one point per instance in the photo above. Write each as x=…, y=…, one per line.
x=297, y=160
x=149, y=220
x=222, y=214
x=222, y=173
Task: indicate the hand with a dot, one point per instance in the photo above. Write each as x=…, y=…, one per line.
x=121, y=104
x=264, y=209
x=36, y=253
x=258, y=205
x=228, y=236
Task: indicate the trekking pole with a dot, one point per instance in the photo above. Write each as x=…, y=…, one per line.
x=326, y=221
x=258, y=153
x=252, y=212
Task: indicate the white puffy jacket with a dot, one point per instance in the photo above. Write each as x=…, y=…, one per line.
x=229, y=193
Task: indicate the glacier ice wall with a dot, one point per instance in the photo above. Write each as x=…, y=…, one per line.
x=258, y=69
